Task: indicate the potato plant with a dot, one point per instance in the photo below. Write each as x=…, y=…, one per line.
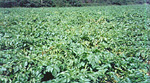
x=107, y=44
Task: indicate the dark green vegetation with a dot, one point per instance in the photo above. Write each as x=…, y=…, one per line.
x=63, y=3
x=86, y=44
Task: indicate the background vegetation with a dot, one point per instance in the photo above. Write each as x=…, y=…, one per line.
x=62, y=3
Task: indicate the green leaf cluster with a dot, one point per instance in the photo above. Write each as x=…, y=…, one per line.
x=78, y=45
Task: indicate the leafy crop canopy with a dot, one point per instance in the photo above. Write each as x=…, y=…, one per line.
x=85, y=45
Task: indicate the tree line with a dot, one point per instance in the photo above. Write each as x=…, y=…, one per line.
x=63, y=3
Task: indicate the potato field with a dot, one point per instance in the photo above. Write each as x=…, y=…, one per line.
x=98, y=44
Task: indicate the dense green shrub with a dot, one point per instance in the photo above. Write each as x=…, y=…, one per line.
x=75, y=44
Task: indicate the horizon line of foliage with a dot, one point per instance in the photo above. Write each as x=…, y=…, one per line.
x=67, y=3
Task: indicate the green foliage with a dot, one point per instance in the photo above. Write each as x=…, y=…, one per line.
x=68, y=3
x=77, y=45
